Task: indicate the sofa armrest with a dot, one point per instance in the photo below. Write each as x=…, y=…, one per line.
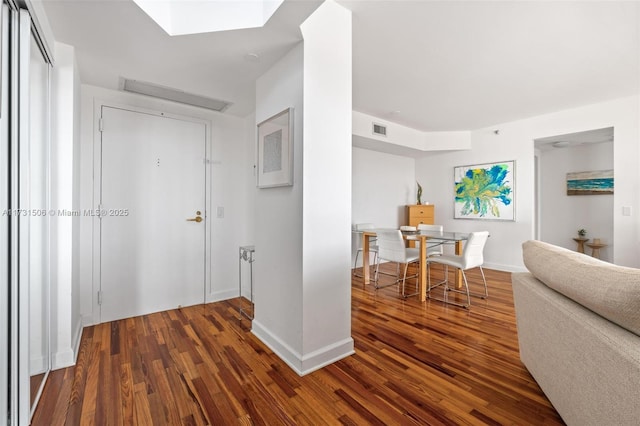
x=587, y=366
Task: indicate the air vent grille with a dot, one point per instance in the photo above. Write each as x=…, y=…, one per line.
x=174, y=95
x=379, y=129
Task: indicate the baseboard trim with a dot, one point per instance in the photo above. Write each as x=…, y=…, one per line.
x=75, y=343
x=219, y=296
x=303, y=364
x=327, y=355
x=62, y=359
x=68, y=357
x=88, y=320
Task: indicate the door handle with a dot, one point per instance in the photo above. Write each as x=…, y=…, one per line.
x=195, y=219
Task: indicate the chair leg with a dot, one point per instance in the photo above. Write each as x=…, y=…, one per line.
x=480, y=295
x=376, y=262
x=388, y=285
x=404, y=277
x=466, y=286
x=429, y=286
x=447, y=289
x=375, y=276
x=484, y=280
x=404, y=280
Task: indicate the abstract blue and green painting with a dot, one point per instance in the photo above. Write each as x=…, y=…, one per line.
x=484, y=191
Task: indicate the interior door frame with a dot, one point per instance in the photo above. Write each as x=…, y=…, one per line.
x=98, y=104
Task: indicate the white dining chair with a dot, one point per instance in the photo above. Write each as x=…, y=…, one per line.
x=472, y=257
x=373, y=248
x=433, y=248
x=391, y=247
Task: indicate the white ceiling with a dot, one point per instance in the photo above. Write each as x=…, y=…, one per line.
x=457, y=65
x=115, y=38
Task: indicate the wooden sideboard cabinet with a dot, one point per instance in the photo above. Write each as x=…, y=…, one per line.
x=417, y=214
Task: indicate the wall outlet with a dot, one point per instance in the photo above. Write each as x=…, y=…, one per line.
x=626, y=210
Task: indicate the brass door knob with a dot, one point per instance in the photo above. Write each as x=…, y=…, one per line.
x=195, y=219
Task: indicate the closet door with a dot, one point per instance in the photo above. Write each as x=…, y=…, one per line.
x=4, y=217
x=24, y=224
x=38, y=217
x=29, y=221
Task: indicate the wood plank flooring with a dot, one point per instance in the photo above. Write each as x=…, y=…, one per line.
x=415, y=364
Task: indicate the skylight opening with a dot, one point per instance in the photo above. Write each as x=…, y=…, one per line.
x=180, y=17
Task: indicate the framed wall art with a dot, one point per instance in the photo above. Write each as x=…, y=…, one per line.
x=485, y=191
x=598, y=182
x=275, y=150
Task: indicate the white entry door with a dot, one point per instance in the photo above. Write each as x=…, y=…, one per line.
x=152, y=226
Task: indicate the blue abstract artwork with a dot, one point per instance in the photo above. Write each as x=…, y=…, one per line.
x=599, y=182
x=485, y=191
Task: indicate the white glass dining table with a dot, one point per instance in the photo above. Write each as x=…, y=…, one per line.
x=434, y=236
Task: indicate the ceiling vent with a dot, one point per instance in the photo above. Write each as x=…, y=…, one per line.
x=174, y=95
x=380, y=130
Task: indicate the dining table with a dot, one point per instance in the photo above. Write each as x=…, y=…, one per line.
x=457, y=238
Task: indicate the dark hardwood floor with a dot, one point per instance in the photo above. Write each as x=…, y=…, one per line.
x=415, y=364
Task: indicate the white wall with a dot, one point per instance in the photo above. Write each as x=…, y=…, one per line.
x=561, y=215
x=302, y=283
x=229, y=182
x=66, y=321
x=516, y=142
x=278, y=221
x=250, y=192
x=231, y=174
x=382, y=185
x=327, y=187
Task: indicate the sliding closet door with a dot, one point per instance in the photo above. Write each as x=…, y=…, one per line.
x=29, y=226
x=38, y=174
x=24, y=223
x=4, y=218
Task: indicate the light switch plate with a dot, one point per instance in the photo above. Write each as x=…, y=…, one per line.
x=220, y=212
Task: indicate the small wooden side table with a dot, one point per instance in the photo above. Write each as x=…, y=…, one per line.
x=595, y=248
x=580, y=242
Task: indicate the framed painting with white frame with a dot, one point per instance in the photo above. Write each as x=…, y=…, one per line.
x=275, y=150
x=485, y=191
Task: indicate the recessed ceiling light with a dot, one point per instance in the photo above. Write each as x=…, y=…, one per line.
x=252, y=57
x=560, y=144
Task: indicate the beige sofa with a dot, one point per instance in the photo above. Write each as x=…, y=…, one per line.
x=578, y=324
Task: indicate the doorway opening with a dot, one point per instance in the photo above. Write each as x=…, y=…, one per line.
x=560, y=214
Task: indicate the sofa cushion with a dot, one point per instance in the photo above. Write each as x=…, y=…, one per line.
x=609, y=290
